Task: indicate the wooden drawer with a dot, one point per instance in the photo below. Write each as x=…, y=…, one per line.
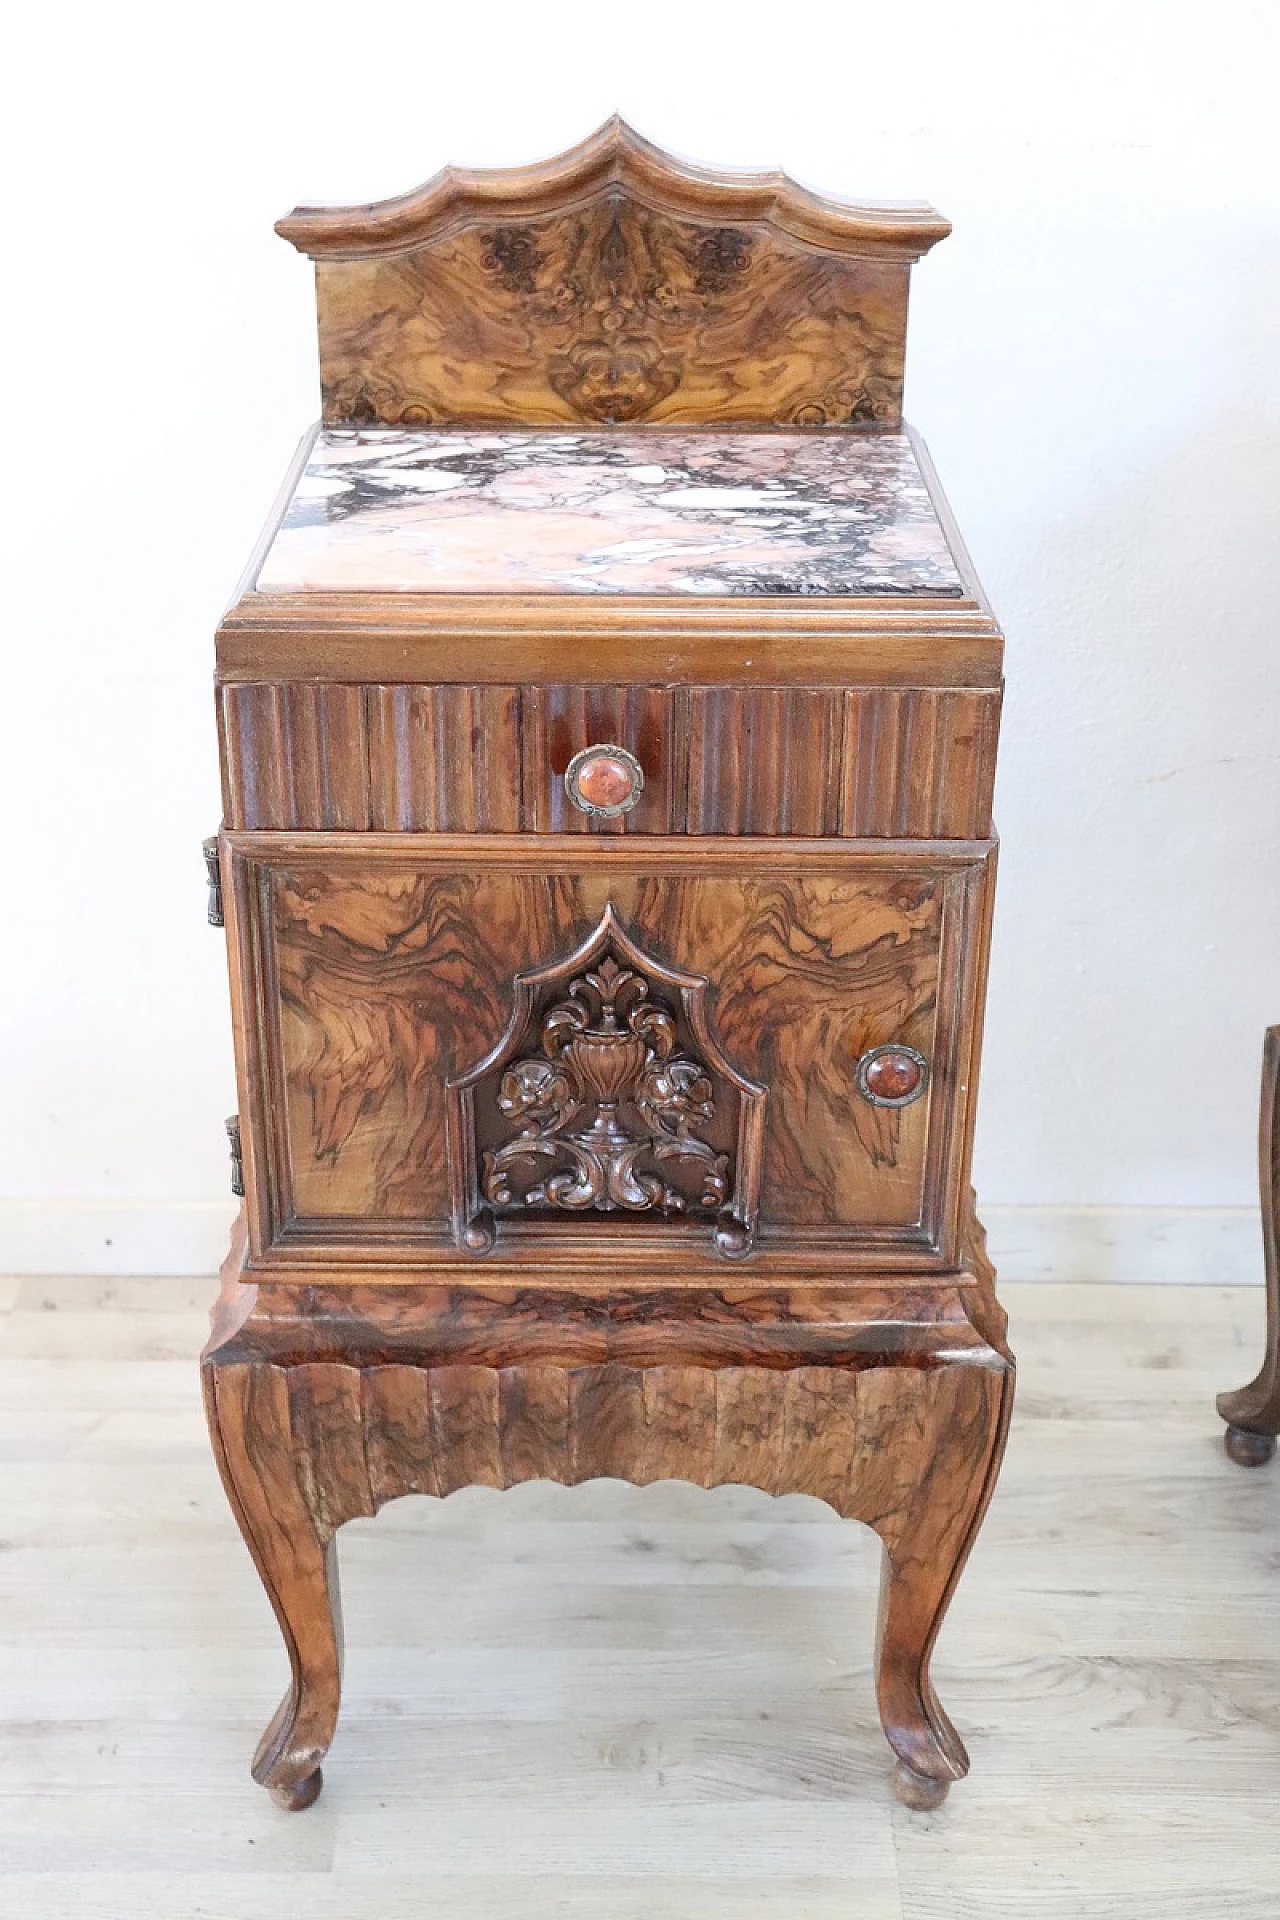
x=377, y=974
x=896, y=762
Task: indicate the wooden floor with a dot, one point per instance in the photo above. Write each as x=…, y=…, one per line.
x=617, y=1702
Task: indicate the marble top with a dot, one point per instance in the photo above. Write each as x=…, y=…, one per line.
x=610, y=511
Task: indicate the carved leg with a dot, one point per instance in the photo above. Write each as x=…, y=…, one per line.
x=267, y=1483
x=935, y=1441
x=1252, y=1413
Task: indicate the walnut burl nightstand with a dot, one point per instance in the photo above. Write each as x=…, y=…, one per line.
x=608, y=725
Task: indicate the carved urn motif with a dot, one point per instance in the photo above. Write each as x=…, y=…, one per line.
x=607, y=1045
x=608, y=1093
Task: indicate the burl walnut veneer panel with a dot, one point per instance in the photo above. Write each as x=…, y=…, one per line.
x=383, y=972
x=612, y=284
x=364, y=1436
x=913, y=763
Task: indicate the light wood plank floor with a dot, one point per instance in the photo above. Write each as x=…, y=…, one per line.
x=615, y=1702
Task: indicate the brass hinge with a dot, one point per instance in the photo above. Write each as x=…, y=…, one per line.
x=237, y=1159
x=213, y=874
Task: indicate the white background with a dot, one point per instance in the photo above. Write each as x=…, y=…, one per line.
x=1092, y=359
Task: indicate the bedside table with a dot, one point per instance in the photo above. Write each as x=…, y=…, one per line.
x=608, y=725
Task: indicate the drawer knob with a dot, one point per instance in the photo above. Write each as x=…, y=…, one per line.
x=604, y=781
x=892, y=1076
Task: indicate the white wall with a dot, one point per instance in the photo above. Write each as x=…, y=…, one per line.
x=1092, y=358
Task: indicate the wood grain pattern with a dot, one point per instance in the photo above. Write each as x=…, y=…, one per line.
x=615, y=155
x=396, y=1422
x=385, y=991
x=443, y=759
x=546, y=639
x=261, y=1464
x=810, y=971
x=508, y=1324
x=295, y=753
x=764, y=760
x=919, y=764
x=389, y=971
x=867, y=762
x=911, y=1450
x=612, y=284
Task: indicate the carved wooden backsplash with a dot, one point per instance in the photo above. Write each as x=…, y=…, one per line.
x=612, y=284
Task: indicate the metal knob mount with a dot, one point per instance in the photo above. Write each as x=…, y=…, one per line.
x=237, y=1155
x=892, y=1076
x=604, y=781
x=213, y=876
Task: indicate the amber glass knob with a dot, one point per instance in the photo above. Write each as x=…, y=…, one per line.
x=604, y=781
x=892, y=1076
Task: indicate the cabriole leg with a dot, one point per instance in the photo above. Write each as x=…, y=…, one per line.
x=253, y=1439
x=939, y=1440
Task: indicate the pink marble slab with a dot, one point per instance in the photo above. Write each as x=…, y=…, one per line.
x=614, y=511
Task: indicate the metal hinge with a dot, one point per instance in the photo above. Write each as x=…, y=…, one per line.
x=213, y=874
x=237, y=1159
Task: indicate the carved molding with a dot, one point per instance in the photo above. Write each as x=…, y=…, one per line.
x=607, y=1093
x=614, y=157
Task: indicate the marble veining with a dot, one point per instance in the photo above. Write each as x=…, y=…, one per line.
x=612, y=511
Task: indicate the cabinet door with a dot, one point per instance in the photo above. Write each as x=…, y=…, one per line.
x=472, y=1053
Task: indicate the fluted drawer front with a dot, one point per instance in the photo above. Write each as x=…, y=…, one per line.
x=444, y=759
x=918, y=763
x=295, y=754
x=861, y=763
x=764, y=760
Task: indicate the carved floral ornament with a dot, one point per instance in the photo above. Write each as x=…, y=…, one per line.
x=608, y=1094
x=606, y=1043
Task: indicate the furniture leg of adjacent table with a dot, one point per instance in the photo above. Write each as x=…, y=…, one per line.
x=908, y=1442
x=1252, y=1413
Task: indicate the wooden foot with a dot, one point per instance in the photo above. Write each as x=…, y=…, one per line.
x=1248, y=1449
x=300, y=1794
x=1252, y=1413
x=263, y=1471
x=919, y=1791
